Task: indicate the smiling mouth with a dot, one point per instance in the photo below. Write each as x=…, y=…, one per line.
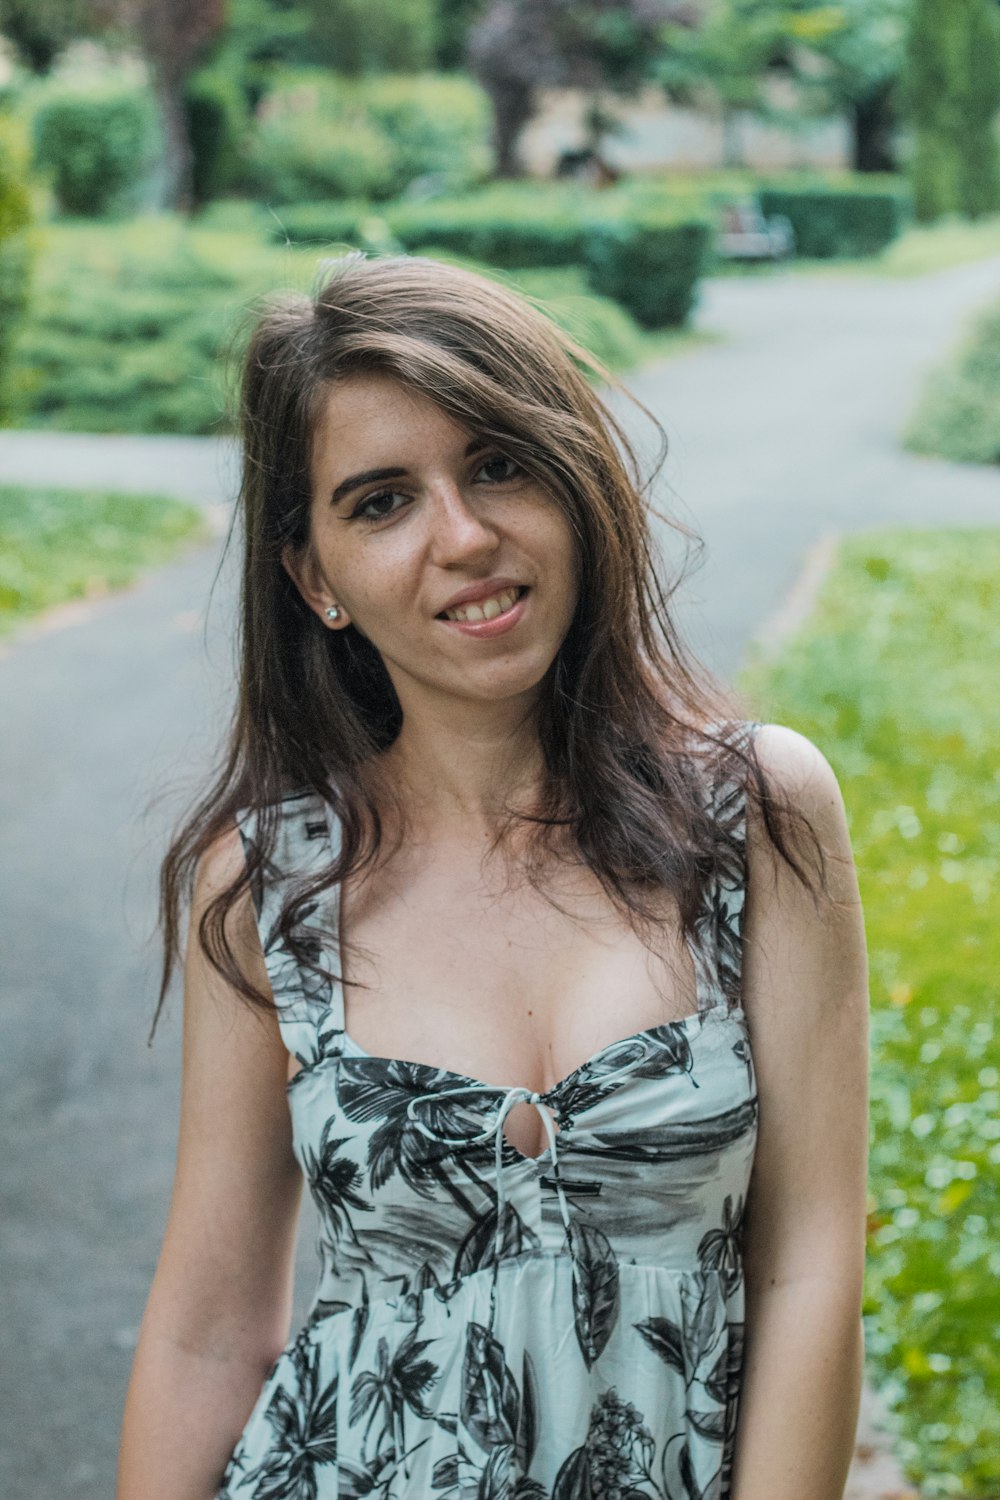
x=485, y=609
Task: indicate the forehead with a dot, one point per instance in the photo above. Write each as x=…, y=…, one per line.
x=365, y=411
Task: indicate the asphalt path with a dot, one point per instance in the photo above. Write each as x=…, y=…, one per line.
x=781, y=433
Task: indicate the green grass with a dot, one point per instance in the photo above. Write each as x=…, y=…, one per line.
x=958, y=413
x=897, y=679
x=920, y=250
x=59, y=545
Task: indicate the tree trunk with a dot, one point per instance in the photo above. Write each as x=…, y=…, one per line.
x=732, y=141
x=514, y=104
x=178, y=159
x=872, y=125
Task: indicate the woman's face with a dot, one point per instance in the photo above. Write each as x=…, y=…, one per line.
x=412, y=513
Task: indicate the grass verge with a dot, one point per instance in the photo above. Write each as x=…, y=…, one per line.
x=896, y=678
x=958, y=413
x=59, y=545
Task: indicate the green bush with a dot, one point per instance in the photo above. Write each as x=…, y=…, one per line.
x=15, y=250
x=321, y=136
x=958, y=415
x=217, y=123
x=98, y=142
x=830, y=223
x=296, y=157
x=435, y=123
x=650, y=262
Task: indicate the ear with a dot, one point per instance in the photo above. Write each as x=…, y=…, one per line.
x=299, y=562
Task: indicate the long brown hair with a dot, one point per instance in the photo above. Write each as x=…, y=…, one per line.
x=625, y=709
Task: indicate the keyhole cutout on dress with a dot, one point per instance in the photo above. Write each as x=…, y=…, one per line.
x=528, y=1137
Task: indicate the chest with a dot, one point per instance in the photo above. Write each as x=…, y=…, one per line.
x=501, y=982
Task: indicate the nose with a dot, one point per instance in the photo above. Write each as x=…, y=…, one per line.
x=460, y=531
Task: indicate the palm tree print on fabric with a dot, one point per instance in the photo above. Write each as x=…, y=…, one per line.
x=488, y=1326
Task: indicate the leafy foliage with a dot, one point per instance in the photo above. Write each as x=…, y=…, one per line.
x=97, y=140
x=57, y=545
x=323, y=136
x=16, y=248
x=519, y=46
x=952, y=96
x=958, y=415
x=895, y=678
x=133, y=334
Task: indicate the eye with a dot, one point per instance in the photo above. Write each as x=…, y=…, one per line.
x=500, y=458
x=380, y=501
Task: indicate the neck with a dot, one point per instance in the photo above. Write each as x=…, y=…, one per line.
x=457, y=773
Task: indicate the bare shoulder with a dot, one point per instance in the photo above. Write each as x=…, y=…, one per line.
x=799, y=774
x=791, y=931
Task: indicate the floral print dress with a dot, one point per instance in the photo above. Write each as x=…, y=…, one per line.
x=489, y=1326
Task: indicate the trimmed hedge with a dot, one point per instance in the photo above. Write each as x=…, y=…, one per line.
x=830, y=223
x=98, y=142
x=650, y=263
x=644, y=255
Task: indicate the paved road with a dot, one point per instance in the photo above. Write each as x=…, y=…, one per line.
x=781, y=432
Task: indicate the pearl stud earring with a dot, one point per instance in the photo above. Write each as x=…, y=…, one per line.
x=333, y=613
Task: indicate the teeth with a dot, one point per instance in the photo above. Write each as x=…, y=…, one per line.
x=486, y=609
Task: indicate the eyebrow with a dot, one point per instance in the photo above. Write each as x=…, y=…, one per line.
x=375, y=476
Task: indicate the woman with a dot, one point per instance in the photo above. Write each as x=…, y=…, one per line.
x=467, y=950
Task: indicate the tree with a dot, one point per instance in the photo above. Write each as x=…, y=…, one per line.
x=40, y=29
x=173, y=35
x=368, y=36
x=520, y=46
x=727, y=57
x=861, y=45
x=952, y=97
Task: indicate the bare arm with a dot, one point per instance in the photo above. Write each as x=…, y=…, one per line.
x=220, y=1305
x=806, y=997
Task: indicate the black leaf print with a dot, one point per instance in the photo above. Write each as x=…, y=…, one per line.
x=444, y=1474
x=527, y=1427
x=711, y=1424
x=721, y=1249
x=674, y=1140
x=490, y=1402
x=671, y=1053
x=359, y=1322
x=595, y=1285
x=665, y=1339
x=303, y=1419
x=573, y=1479
x=494, y=1478
x=692, y=1488
x=717, y=1383
x=704, y=1320
x=529, y=1489
x=478, y=1249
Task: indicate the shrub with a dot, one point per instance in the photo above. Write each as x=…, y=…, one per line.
x=650, y=262
x=830, y=222
x=434, y=123
x=15, y=249
x=98, y=142
x=958, y=416
x=319, y=135
x=217, y=121
x=531, y=232
x=296, y=157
